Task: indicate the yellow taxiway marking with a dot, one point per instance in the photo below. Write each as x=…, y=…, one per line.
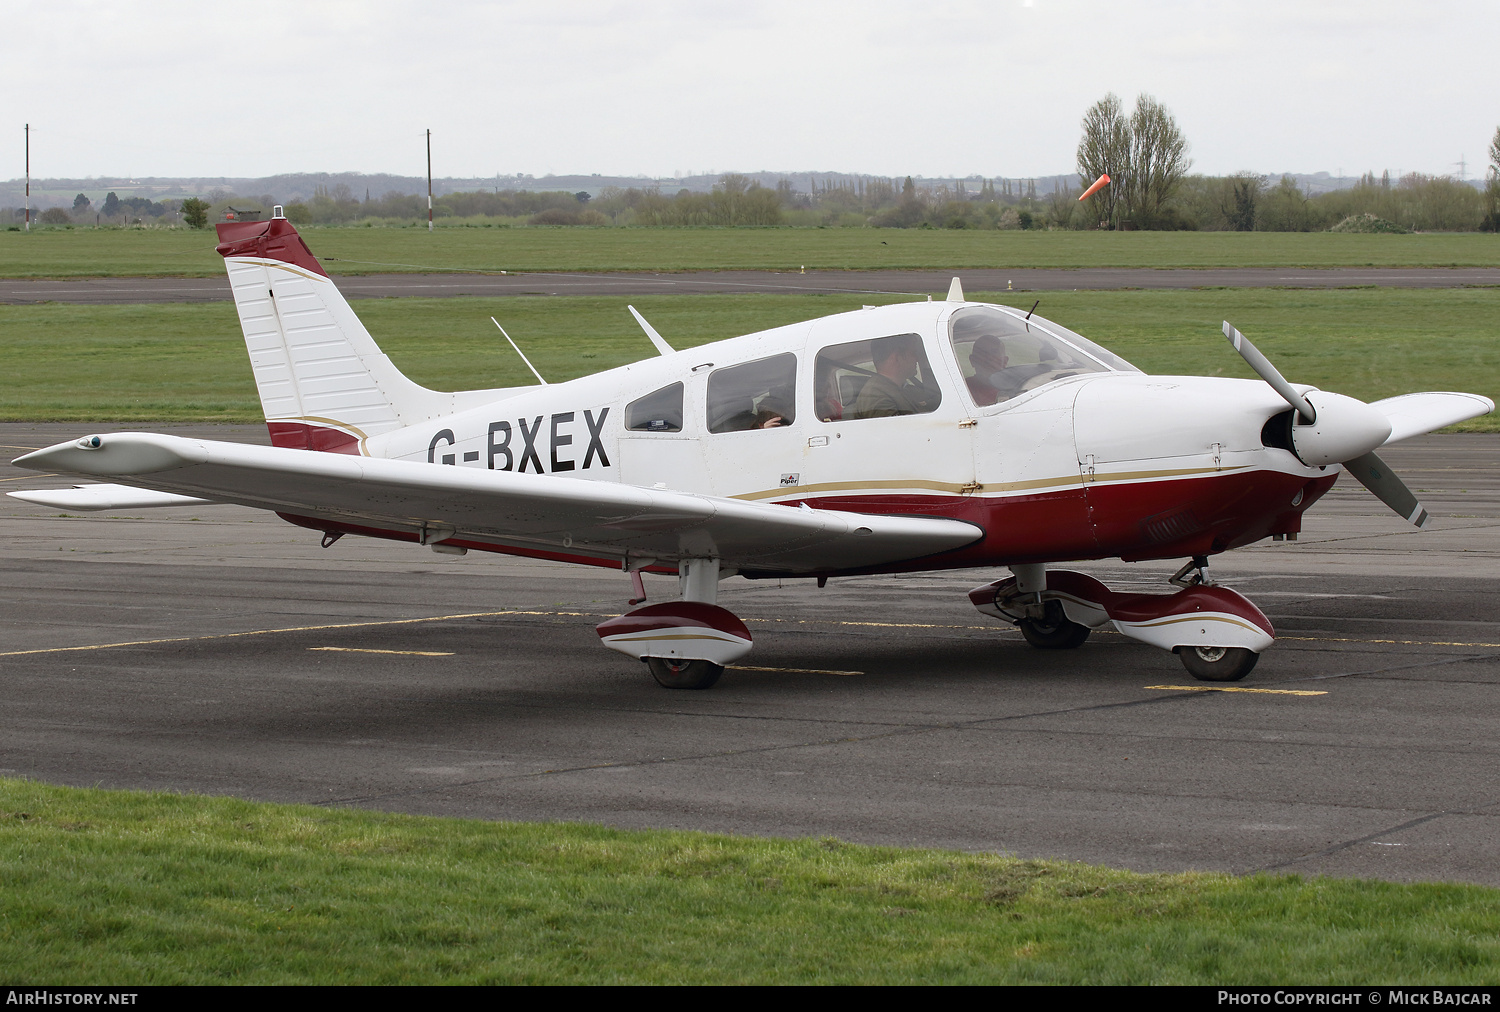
x=1405, y=643
x=1227, y=688
x=371, y=650
x=612, y=614
x=792, y=671
x=285, y=629
x=34, y=477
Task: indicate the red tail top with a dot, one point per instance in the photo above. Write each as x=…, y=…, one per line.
x=273, y=240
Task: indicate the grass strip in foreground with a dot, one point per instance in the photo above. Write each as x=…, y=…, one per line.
x=132, y=888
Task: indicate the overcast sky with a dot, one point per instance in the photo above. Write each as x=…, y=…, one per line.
x=656, y=87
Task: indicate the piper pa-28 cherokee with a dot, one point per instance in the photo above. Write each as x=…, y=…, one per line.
x=920, y=436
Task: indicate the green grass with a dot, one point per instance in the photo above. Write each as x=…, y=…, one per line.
x=187, y=362
x=88, y=252
x=132, y=888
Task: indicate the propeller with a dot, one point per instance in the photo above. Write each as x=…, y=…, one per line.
x=1331, y=428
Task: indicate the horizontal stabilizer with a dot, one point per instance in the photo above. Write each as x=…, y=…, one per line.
x=104, y=497
x=1414, y=414
x=598, y=519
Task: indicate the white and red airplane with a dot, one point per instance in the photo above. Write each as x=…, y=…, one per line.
x=920, y=436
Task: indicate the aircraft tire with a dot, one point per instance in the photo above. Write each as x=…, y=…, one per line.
x=675, y=674
x=1054, y=631
x=1218, y=664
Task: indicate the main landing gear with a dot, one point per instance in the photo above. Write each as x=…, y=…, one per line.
x=1216, y=633
x=686, y=643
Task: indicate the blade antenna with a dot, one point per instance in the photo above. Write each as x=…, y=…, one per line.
x=656, y=339
x=521, y=353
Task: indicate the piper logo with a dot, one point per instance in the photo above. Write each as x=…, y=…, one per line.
x=795, y=478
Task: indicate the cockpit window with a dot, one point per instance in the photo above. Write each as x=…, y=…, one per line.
x=756, y=395
x=658, y=411
x=1003, y=355
x=874, y=379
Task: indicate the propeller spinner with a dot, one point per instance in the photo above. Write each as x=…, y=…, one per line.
x=1331, y=428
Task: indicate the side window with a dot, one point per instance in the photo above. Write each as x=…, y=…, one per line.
x=659, y=411
x=756, y=395
x=874, y=379
x=1002, y=356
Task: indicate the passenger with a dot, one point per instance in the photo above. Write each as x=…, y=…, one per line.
x=889, y=391
x=771, y=415
x=989, y=360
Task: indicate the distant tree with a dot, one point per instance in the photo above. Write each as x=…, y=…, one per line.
x=55, y=216
x=194, y=212
x=1158, y=160
x=1144, y=155
x=80, y=204
x=1242, y=191
x=1104, y=149
x=582, y=196
x=1491, y=222
x=111, y=205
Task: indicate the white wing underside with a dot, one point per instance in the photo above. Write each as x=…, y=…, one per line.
x=603, y=520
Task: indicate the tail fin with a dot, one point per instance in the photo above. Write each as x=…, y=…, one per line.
x=324, y=384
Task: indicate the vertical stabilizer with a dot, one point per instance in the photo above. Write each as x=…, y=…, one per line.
x=324, y=384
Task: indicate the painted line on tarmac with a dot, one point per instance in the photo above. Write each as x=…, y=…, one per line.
x=596, y=614
x=1405, y=643
x=792, y=671
x=371, y=650
x=1225, y=688
x=286, y=629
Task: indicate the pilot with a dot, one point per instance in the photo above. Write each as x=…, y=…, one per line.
x=989, y=361
x=890, y=390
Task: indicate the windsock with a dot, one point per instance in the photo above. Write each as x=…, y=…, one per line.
x=1099, y=184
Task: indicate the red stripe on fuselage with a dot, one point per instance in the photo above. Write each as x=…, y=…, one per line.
x=1225, y=511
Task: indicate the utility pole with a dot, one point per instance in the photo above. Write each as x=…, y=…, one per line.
x=28, y=177
x=429, y=180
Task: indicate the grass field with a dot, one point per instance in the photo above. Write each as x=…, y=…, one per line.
x=86, y=252
x=187, y=362
x=131, y=888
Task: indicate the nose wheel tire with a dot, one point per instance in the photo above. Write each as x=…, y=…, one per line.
x=1054, y=630
x=678, y=674
x=1218, y=664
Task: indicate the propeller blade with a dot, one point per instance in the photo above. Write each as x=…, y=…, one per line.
x=1268, y=372
x=1374, y=475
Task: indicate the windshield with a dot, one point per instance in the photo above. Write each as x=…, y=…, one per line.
x=1003, y=355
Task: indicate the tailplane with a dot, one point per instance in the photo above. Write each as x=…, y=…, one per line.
x=324, y=383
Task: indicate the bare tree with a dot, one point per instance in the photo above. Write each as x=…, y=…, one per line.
x=1491, y=221
x=1105, y=148
x=1145, y=157
x=1158, y=159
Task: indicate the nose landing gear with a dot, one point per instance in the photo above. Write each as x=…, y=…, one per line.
x=1216, y=633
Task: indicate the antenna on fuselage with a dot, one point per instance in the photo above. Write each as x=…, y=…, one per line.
x=656, y=339
x=521, y=353
x=956, y=291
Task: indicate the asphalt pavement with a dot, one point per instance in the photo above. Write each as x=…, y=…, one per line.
x=106, y=291
x=219, y=650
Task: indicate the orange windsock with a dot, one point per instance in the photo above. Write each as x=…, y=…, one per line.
x=1099, y=184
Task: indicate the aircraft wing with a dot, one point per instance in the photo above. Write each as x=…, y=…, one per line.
x=1413, y=414
x=584, y=520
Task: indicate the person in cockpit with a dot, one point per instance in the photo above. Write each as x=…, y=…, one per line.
x=889, y=391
